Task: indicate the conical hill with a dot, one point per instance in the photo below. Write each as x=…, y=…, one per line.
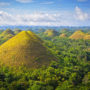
x=77, y=35
x=80, y=35
x=25, y=49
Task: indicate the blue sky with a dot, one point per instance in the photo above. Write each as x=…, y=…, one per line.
x=45, y=12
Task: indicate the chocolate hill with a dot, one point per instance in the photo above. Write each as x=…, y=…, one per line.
x=79, y=35
x=25, y=49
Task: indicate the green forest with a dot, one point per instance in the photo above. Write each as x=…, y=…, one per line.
x=71, y=70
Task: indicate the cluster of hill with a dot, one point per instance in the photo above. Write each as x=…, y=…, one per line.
x=47, y=60
x=65, y=33
x=27, y=49
x=76, y=34
x=7, y=34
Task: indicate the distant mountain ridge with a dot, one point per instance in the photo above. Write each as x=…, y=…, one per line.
x=46, y=27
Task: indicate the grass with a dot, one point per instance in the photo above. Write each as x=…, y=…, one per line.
x=25, y=49
x=87, y=37
x=79, y=35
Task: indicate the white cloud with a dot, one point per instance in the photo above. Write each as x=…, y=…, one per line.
x=82, y=0
x=6, y=18
x=4, y=4
x=39, y=19
x=24, y=1
x=29, y=19
x=47, y=2
x=80, y=15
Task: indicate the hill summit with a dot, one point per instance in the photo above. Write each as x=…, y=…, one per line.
x=25, y=49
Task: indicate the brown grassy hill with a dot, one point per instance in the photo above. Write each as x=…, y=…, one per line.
x=63, y=35
x=7, y=34
x=87, y=37
x=51, y=33
x=80, y=35
x=25, y=49
x=77, y=35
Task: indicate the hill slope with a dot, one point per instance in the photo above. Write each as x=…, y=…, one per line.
x=87, y=37
x=7, y=34
x=25, y=49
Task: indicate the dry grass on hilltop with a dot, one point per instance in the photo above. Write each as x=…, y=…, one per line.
x=25, y=49
x=79, y=35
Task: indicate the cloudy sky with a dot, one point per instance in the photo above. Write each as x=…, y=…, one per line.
x=45, y=12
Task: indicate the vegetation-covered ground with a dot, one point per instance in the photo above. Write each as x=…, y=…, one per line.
x=71, y=72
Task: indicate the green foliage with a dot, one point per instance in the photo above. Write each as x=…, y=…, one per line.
x=71, y=72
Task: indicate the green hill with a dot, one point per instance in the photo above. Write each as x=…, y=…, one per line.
x=6, y=34
x=51, y=33
x=25, y=49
